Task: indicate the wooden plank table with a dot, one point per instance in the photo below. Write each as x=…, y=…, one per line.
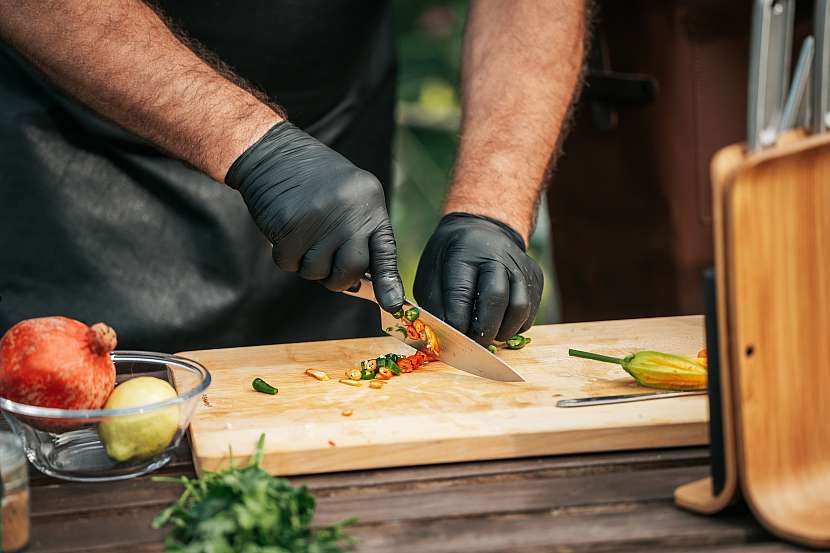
x=598, y=502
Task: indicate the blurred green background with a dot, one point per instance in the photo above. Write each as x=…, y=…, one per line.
x=430, y=42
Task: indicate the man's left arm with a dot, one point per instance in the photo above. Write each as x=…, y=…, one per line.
x=522, y=63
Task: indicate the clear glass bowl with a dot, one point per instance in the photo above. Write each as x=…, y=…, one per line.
x=65, y=443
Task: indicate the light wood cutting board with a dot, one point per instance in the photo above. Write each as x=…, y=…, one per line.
x=439, y=414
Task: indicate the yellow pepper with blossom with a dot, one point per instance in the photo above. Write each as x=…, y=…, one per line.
x=654, y=369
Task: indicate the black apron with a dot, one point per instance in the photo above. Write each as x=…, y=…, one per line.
x=99, y=225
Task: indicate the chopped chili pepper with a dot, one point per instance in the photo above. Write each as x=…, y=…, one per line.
x=384, y=373
x=398, y=314
x=263, y=387
x=412, y=314
x=432, y=340
x=350, y=382
x=353, y=374
x=376, y=384
x=412, y=334
x=366, y=374
x=319, y=375
x=402, y=330
x=405, y=365
x=419, y=326
x=517, y=342
x=393, y=366
x=492, y=348
x=346, y=413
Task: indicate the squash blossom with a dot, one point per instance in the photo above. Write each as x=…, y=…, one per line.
x=657, y=370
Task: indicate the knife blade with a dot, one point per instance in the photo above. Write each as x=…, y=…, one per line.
x=609, y=400
x=769, y=70
x=457, y=350
x=798, y=89
x=821, y=66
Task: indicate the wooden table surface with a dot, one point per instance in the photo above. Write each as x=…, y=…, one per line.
x=598, y=502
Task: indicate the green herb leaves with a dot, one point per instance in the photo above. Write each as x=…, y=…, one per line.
x=246, y=510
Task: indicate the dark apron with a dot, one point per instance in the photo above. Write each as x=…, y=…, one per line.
x=98, y=225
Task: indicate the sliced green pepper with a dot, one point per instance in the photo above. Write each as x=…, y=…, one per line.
x=492, y=348
x=392, y=366
x=398, y=314
x=517, y=342
x=412, y=314
x=261, y=386
x=366, y=374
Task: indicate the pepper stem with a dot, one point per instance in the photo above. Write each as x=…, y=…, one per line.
x=594, y=356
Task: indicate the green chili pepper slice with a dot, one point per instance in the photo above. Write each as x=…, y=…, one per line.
x=492, y=349
x=398, y=314
x=402, y=330
x=392, y=366
x=412, y=314
x=517, y=342
x=366, y=374
x=263, y=387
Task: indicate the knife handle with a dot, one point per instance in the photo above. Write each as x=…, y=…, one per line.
x=363, y=290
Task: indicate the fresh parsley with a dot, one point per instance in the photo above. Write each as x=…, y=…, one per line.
x=246, y=511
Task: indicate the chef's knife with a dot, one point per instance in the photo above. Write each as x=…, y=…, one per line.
x=821, y=65
x=769, y=70
x=796, y=99
x=457, y=350
x=609, y=400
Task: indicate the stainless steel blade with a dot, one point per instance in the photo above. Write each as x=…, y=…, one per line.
x=798, y=89
x=821, y=66
x=609, y=400
x=457, y=350
x=769, y=69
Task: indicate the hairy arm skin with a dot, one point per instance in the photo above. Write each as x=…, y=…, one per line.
x=121, y=59
x=522, y=64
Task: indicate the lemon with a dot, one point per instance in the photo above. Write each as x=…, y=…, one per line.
x=143, y=435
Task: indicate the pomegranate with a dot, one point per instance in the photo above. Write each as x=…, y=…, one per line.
x=57, y=362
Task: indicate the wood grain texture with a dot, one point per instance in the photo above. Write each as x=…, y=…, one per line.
x=557, y=500
x=439, y=414
x=596, y=502
x=779, y=280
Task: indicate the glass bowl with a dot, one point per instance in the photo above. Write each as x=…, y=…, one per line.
x=66, y=444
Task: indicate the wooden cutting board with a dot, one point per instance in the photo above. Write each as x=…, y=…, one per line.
x=439, y=414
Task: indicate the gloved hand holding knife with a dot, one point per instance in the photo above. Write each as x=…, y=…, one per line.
x=326, y=218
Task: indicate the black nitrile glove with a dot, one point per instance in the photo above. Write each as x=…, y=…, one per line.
x=474, y=273
x=326, y=218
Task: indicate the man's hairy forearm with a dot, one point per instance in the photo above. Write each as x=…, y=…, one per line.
x=122, y=60
x=522, y=62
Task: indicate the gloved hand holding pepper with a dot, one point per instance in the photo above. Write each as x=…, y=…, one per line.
x=475, y=274
x=326, y=218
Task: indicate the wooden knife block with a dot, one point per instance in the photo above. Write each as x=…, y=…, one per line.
x=772, y=259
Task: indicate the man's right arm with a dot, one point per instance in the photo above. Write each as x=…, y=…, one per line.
x=121, y=59
x=326, y=218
